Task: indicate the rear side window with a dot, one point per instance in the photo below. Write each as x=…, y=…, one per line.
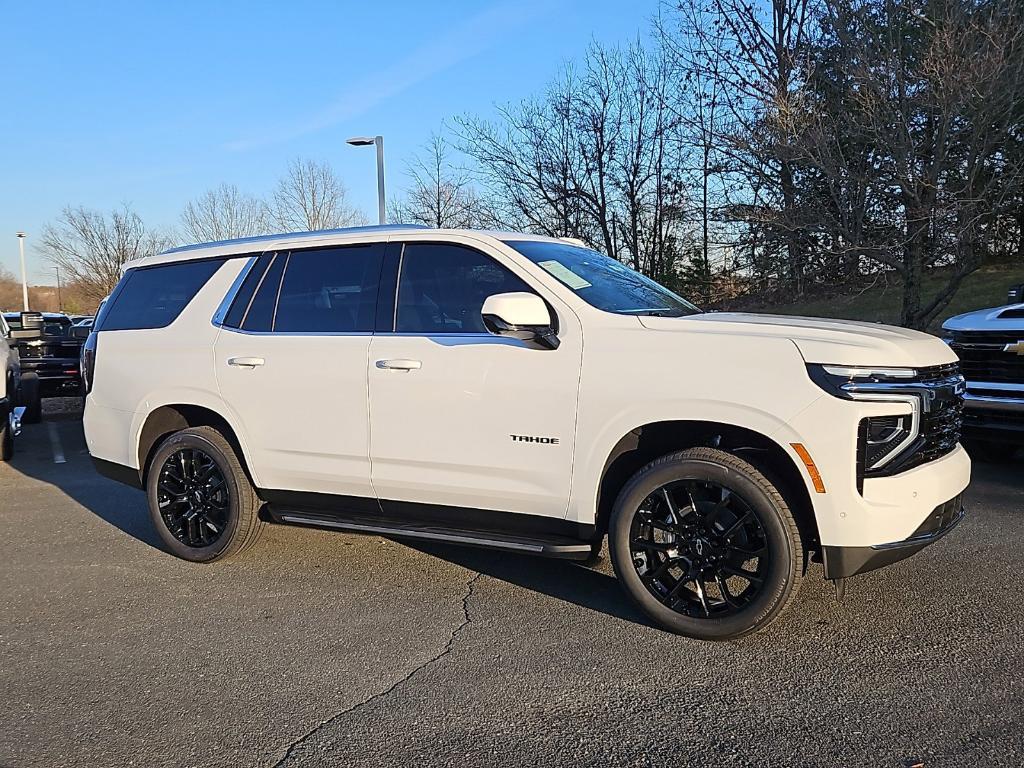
x=260, y=314
x=240, y=304
x=153, y=297
x=333, y=290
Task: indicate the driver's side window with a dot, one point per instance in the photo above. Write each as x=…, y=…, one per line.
x=442, y=288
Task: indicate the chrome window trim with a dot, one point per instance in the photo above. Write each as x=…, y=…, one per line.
x=229, y=297
x=227, y=329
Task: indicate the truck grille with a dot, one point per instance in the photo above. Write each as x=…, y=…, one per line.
x=982, y=358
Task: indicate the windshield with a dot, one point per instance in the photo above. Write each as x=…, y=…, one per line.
x=603, y=282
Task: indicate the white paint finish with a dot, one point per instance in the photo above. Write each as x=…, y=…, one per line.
x=441, y=432
x=517, y=308
x=302, y=411
x=821, y=340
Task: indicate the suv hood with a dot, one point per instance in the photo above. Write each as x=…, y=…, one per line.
x=836, y=342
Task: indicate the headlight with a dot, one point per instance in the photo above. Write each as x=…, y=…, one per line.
x=845, y=380
x=881, y=438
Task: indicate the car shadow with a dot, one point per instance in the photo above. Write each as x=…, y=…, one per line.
x=566, y=580
x=54, y=452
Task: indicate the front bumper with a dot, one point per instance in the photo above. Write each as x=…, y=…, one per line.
x=843, y=562
x=994, y=414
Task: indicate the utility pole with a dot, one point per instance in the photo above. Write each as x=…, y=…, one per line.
x=60, y=303
x=24, y=279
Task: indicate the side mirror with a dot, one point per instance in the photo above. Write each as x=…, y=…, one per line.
x=522, y=316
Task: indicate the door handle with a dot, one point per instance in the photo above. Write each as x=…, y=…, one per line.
x=400, y=365
x=246, y=362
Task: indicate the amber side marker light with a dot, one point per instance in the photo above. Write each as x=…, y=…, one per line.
x=812, y=470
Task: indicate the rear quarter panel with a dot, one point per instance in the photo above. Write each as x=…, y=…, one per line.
x=138, y=371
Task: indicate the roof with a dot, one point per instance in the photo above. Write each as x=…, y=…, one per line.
x=293, y=236
x=246, y=245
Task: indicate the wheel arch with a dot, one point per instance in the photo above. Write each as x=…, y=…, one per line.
x=648, y=442
x=168, y=419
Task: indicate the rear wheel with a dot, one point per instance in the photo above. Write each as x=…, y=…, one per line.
x=31, y=399
x=706, y=545
x=200, y=499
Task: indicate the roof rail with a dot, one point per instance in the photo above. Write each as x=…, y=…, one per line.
x=320, y=232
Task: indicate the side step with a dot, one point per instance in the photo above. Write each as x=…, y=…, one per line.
x=545, y=546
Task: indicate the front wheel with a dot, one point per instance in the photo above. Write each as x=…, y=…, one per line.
x=200, y=500
x=706, y=545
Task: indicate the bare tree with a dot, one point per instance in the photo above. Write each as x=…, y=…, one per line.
x=224, y=213
x=909, y=144
x=91, y=248
x=440, y=194
x=592, y=158
x=310, y=197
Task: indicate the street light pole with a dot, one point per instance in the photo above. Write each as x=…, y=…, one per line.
x=378, y=141
x=24, y=279
x=60, y=302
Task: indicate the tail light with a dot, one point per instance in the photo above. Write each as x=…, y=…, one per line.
x=88, y=361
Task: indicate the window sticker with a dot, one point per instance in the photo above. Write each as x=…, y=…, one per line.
x=563, y=273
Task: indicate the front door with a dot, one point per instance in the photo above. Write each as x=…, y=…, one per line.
x=461, y=418
x=294, y=369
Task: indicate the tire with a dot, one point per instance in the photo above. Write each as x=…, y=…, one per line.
x=223, y=519
x=31, y=399
x=715, y=514
x=6, y=441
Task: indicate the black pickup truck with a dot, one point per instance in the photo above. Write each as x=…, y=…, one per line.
x=49, y=346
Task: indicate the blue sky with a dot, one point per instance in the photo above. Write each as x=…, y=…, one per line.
x=152, y=103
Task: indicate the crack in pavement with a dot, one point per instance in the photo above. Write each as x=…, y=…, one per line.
x=355, y=707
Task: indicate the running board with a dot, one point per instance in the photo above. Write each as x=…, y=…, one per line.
x=545, y=546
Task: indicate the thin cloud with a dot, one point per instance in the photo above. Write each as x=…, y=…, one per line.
x=467, y=39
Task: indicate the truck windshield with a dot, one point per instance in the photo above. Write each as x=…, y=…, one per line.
x=601, y=281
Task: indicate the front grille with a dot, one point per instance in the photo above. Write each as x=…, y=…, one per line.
x=940, y=428
x=982, y=357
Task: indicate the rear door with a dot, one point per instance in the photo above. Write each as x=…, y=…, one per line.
x=291, y=362
x=459, y=417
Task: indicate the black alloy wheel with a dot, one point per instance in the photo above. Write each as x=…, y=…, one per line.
x=201, y=501
x=699, y=548
x=193, y=497
x=705, y=544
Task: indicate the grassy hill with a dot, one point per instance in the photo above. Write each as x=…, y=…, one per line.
x=881, y=303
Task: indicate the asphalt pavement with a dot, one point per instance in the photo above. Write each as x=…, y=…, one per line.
x=323, y=649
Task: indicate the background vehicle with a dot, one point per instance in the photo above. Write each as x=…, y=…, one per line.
x=49, y=346
x=11, y=408
x=990, y=345
x=454, y=399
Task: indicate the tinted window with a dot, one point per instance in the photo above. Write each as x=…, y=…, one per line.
x=442, y=288
x=260, y=314
x=239, y=305
x=601, y=281
x=333, y=290
x=153, y=297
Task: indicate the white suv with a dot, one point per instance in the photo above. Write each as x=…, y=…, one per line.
x=525, y=394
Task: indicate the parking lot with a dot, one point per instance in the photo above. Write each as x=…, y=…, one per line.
x=321, y=649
